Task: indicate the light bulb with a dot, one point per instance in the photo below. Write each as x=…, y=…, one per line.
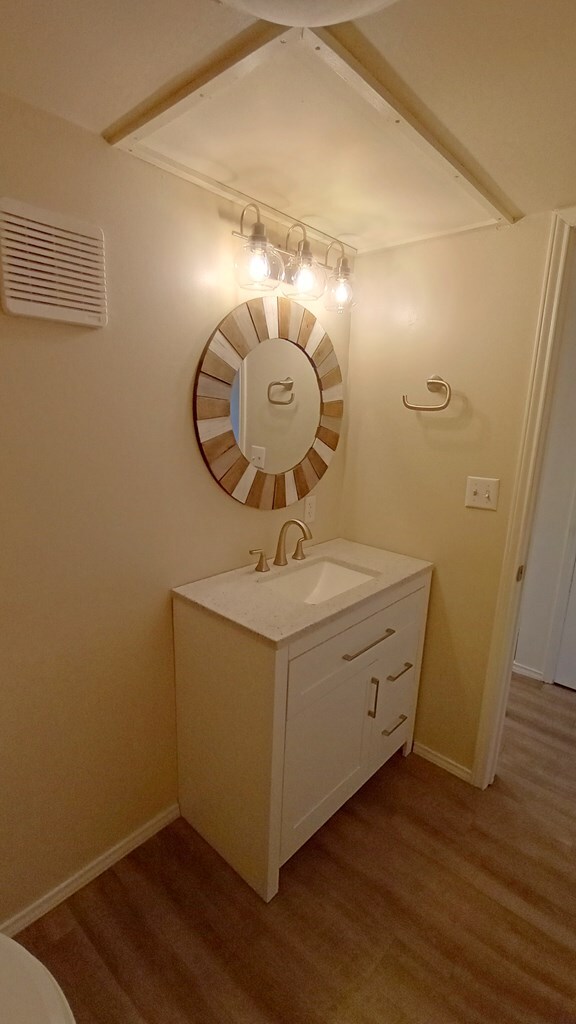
x=343, y=293
x=259, y=266
x=339, y=294
x=304, y=278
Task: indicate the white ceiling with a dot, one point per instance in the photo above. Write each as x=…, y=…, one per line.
x=494, y=82
x=294, y=125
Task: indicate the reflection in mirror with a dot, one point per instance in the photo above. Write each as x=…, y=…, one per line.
x=275, y=405
x=268, y=402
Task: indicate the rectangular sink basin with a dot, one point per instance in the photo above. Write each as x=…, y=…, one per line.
x=317, y=581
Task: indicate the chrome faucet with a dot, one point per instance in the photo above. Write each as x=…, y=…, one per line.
x=280, y=556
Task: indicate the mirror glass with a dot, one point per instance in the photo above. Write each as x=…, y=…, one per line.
x=268, y=402
x=275, y=405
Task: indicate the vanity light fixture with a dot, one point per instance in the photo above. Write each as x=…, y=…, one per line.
x=258, y=265
x=339, y=296
x=261, y=266
x=304, y=278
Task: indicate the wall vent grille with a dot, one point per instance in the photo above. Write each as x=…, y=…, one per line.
x=52, y=266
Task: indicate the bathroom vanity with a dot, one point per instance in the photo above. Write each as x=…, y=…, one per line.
x=293, y=687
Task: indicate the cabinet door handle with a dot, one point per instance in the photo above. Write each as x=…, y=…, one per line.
x=407, y=665
x=401, y=720
x=375, y=682
x=351, y=657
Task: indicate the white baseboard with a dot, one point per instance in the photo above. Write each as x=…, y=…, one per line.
x=443, y=762
x=87, y=874
x=524, y=670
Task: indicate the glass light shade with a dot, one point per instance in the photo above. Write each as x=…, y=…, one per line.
x=259, y=266
x=308, y=12
x=304, y=278
x=339, y=297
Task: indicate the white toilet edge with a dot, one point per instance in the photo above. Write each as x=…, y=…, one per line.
x=28, y=992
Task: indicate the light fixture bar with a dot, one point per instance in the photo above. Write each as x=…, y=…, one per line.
x=288, y=252
x=261, y=266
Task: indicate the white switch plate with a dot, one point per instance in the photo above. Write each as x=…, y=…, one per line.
x=482, y=492
x=258, y=456
x=310, y=508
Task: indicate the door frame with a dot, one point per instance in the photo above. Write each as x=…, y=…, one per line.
x=503, y=641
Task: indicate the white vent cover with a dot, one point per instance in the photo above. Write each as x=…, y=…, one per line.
x=52, y=266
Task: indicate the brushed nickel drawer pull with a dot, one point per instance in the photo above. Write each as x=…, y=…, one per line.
x=351, y=657
x=401, y=720
x=375, y=682
x=407, y=665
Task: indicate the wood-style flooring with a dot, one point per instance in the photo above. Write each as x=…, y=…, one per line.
x=423, y=901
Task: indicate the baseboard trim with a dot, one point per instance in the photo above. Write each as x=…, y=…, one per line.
x=89, y=872
x=531, y=673
x=443, y=762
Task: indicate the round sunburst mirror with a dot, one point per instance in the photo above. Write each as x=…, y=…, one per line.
x=268, y=402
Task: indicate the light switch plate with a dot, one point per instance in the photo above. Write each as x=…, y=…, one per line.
x=482, y=492
x=310, y=508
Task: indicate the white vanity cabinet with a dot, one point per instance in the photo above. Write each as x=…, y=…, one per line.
x=274, y=735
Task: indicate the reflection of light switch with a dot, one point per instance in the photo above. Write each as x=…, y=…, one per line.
x=482, y=492
x=258, y=456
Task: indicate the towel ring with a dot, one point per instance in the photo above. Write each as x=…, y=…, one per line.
x=287, y=384
x=434, y=383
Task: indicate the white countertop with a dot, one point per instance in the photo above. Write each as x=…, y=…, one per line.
x=243, y=597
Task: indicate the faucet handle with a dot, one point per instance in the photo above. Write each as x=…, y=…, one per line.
x=262, y=562
x=299, y=552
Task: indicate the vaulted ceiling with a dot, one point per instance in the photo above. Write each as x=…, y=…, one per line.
x=494, y=81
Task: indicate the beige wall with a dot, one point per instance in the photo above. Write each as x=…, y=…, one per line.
x=464, y=307
x=105, y=504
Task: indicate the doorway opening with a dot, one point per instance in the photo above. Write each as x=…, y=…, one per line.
x=546, y=641
x=535, y=433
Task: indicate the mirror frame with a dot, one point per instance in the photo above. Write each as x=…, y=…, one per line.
x=242, y=330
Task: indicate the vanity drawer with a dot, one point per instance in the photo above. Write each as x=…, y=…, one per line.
x=390, y=633
x=395, y=730
x=392, y=708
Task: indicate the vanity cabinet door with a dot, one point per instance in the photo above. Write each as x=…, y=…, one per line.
x=326, y=749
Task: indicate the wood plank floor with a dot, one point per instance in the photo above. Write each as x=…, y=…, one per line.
x=423, y=901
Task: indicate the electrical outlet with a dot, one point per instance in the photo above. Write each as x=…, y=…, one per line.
x=258, y=456
x=310, y=508
x=482, y=492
